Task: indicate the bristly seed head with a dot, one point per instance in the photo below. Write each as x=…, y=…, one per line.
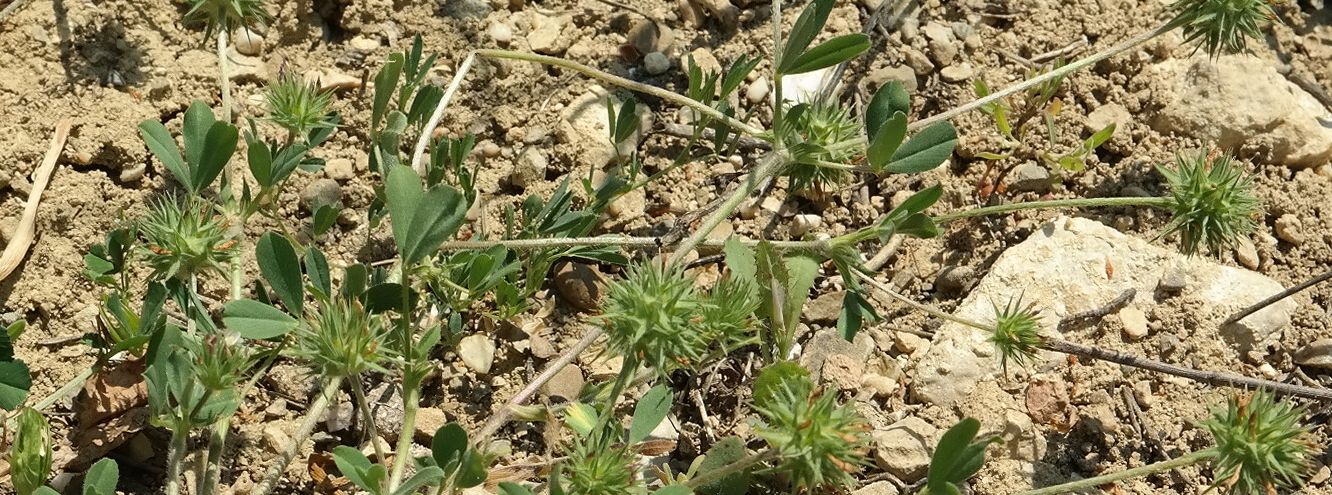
x=1016, y=332
x=1213, y=201
x=821, y=444
x=298, y=106
x=226, y=15
x=185, y=240
x=1261, y=446
x=1222, y=26
x=342, y=339
x=824, y=131
x=652, y=313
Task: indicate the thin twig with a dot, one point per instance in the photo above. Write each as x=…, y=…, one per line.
x=1059, y=52
x=429, y=130
x=27, y=226
x=503, y=415
x=1279, y=296
x=10, y=9
x=687, y=132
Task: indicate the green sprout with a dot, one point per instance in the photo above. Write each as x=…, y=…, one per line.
x=30, y=456
x=298, y=106
x=1213, y=201
x=1260, y=445
x=219, y=360
x=185, y=240
x=1016, y=332
x=820, y=443
x=652, y=314
x=342, y=339
x=225, y=15
x=1222, y=25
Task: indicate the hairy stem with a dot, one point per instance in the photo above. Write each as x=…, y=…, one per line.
x=1159, y=202
x=224, y=79
x=625, y=83
x=1048, y=76
x=621, y=241
x=411, y=398
x=770, y=165
x=180, y=435
x=312, y=416
x=217, y=445
x=502, y=416
x=1090, y=483
x=369, y=419
x=732, y=468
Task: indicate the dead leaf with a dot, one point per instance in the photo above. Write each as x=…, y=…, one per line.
x=94, y=443
x=319, y=464
x=112, y=391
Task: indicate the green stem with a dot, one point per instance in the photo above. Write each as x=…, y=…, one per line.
x=369, y=419
x=732, y=468
x=1046, y=77
x=627, y=369
x=224, y=79
x=175, y=457
x=312, y=416
x=1178, y=462
x=1159, y=202
x=625, y=83
x=621, y=241
x=777, y=144
x=411, y=396
x=770, y=165
x=217, y=445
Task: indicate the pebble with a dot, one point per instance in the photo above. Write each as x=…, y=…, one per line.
x=1317, y=354
x=541, y=347
x=903, y=449
x=581, y=285
x=656, y=63
x=705, y=60
x=500, y=33
x=1031, y=177
x=565, y=385
x=758, y=91
x=909, y=343
x=319, y=193
x=477, y=352
x=133, y=174
x=337, y=81
x=1246, y=254
x=1288, y=228
x=954, y=280
x=340, y=169
x=364, y=44
x=340, y=416
x=900, y=73
x=276, y=437
x=545, y=39
x=1135, y=323
x=428, y=421
x=843, y=372
x=825, y=308
x=1173, y=282
x=489, y=149
x=803, y=224
x=248, y=42
x=877, y=488
x=529, y=168
x=957, y=73
x=882, y=386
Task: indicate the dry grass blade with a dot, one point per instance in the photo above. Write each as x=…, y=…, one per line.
x=27, y=227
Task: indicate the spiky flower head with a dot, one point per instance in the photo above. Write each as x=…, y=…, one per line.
x=220, y=360
x=1222, y=26
x=653, y=315
x=185, y=239
x=595, y=467
x=819, y=442
x=298, y=106
x=226, y=15
x=1016, y=332
x=342, y=339
x=1261, y=446
x=823, y=131
x=1212, y=200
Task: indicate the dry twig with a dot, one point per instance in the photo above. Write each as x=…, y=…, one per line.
x=27, y=227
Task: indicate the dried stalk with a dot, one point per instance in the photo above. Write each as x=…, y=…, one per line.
x=27, y=227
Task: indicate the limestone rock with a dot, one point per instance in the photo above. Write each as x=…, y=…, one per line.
x=904, y=448
x=585, y=124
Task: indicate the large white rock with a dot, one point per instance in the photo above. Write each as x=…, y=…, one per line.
x=1242, y=100
x=1063, y=267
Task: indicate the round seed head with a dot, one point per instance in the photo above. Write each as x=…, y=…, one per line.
x=820, y=443
x=653, y=314
x=1222, y=26
x=1261, y=446
x=185, y=240
x=298, y=106
x=825, y=132
x=594, y=468
x=341, y=339
x=1016, y=332
x=226, y=15
x=1213, y=201
x=220, y=361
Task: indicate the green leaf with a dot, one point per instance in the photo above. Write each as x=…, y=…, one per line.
x=802, y=270
x=6, y=346
x=918, y=225
x=651, y=409
x=740, y=259
x=626, y=123
x=448, y=446
x=725, y=452
x=770, y=380
x=855, y=312
x=255, y=320
x=473, y=470
x=888, y=101
x=830, y=53
x=919, y=201
x=924, y=151
x=887, y=141
x=316, y=268
x=385, y=83
x=15, y=381
x=806, y=27
x=163, y=146
x=509, y=488
x=428, y=475
x=674, y=490
x=324, y=218
x=102, y=478
x=45, y=490
x=402, y=194
x=386, y=297
x=580, y=417
x=354, y=278
x=957, y=457
x=260, y=160
x=218, y=146
x=357, y=468
x=199, y=120
x=437, y=218
x=281, y=268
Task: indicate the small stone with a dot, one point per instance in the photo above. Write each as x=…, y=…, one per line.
x=319, y=193
x=546, y=39
x=500, y=33
x=140, y=448
x=248, y=42
x=1173, y=282
x=466, y=9
x=541, y=347
x=428, y=421
x=337, y=81
x=954, y=280
x=276, y=437
x=877, y=488
x=1030, y=177
x=803, y=224
x=581, y=285
x=1288, y=228
x=530, y=168
x=757, y=91
x=477, y=352
x=825, y=308
x=276, y=409
x=704, y=59
x=565, y=385
x=1135, y=323
x=903, y=449
x=339, y=417
x=882, y=386
x=364, y=44
x=909, y=343
x=843, y=372
x=489, y=149
x=1106, y=115
x=1317, y=354
x=944, y=52
x=1246, y=254
x=647, y=37
x=133, y=174
x=957, y=72
x=656, y=63
x=340, y=169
